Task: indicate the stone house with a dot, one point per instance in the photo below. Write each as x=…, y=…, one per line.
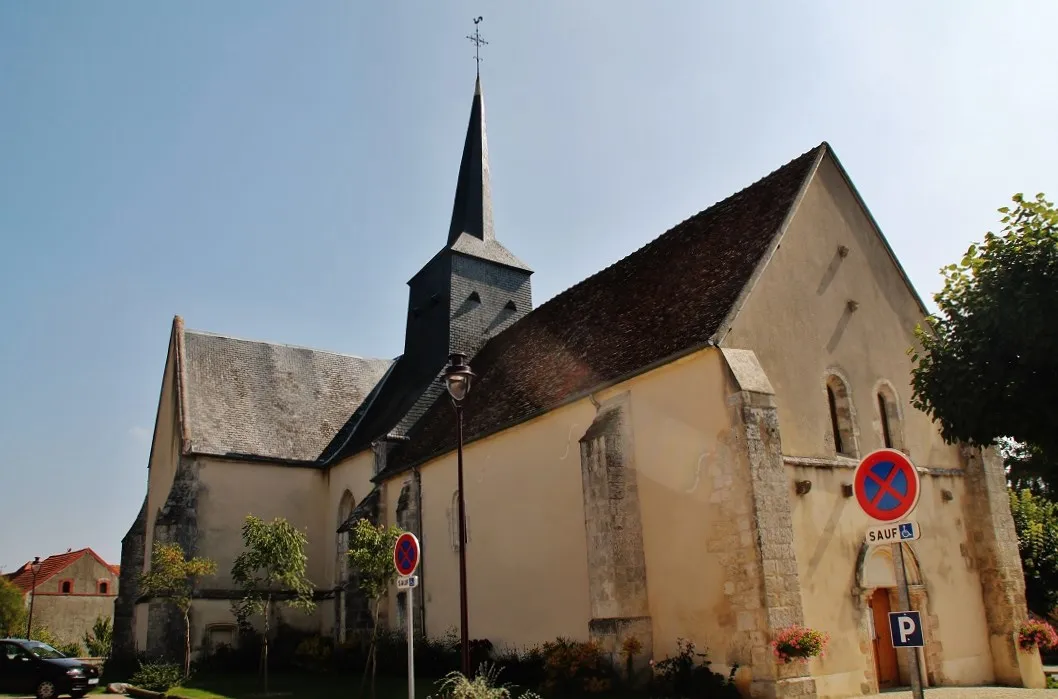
x=70, y=592
x=665, y=449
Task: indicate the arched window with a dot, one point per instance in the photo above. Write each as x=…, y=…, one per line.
x=345, y=508
x=889, y=421
x=66, y=587
x=842, y=428
x=104, y=587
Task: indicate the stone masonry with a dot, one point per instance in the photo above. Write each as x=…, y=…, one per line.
x=123, y=645
x=994, y=546
x=774, y=601
x=177, y=521
x=617, y=578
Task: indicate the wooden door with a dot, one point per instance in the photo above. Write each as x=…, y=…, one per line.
x=884, y=654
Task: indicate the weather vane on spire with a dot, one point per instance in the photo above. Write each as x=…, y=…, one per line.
x=478, y=43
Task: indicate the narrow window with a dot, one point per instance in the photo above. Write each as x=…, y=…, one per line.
x=104, y=587
x=841, y=419
x=883, y=411
x=889, y=418
x=67, y=587
x=835, y=429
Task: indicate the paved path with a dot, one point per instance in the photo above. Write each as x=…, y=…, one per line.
x=972, y=693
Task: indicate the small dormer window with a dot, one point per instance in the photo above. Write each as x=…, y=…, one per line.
x=510, y=306
x=66, y=587
x=104, y=587
x=475, y=297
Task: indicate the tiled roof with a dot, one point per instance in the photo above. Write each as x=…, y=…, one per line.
x=395, y=398
x=664, y=299
x=266, y=400
x=49, y=567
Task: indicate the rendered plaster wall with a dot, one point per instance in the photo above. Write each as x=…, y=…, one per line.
x=525, y=523
x=70, y=616
x=231, y=490
x=798, y=321
x=830, y=531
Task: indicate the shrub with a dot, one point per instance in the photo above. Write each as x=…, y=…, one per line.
x=799, y=642
x=574, y=667
x=1037, y=633
x=525, y=669
x=485, y=685
x=71, y=649
x=158, y=677
x=99, y=639
x=314, y=654
x=682, y=676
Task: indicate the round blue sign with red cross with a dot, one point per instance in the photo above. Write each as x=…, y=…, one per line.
x=887, y=485
x=406, y=554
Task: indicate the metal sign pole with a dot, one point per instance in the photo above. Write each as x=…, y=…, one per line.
x=905, y=605
x=410, y=605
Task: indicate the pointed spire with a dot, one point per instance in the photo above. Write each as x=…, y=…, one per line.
x=472, y=211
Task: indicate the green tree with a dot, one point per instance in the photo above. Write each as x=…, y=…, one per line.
x=371, y=558
x=985, y=369
x=1029, y=468
x=100, y=638
x=172, y=576
x=1036, y=521
x=12, y=610
x=270, y=571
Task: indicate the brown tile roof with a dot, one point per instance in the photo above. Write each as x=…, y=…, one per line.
x=667, y=298
x=271, y=401
x=49, y=567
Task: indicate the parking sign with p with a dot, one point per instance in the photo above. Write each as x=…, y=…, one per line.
x=906, y=629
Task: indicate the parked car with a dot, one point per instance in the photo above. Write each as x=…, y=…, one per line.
x=32, y=667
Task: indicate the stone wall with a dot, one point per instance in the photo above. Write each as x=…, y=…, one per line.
x=765, y=593
x=177, y=522
x=617, y=572
x=994, y=546
x=132, y=560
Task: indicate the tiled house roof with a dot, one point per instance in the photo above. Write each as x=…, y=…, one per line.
x=667, y=298
x=50, y=567
x=269, y=401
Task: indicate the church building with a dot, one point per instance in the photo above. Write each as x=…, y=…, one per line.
x=666, y=450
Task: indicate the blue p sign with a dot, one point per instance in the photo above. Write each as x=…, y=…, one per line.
x=906, y=629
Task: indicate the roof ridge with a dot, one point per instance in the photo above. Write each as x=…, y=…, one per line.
x=594, y=334
x=568, y=290
x=207, y=333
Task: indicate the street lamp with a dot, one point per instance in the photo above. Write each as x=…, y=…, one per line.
x=35, y=567
x=458, y=379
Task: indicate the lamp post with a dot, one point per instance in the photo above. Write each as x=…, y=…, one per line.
x=458, y=379
x=35, y=567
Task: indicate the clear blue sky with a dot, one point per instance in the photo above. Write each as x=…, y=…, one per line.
x=278, y=171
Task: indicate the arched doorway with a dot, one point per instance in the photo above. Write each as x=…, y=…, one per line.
x=878, y=591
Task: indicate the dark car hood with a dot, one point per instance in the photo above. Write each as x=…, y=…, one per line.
x=65, y=663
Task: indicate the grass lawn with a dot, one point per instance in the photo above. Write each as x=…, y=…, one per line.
x=291, y=687
x=299, y=687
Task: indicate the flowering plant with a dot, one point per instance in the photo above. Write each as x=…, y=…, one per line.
x=1037, y=634
x=799, y=642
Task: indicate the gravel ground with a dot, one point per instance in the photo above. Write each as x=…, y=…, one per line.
x=972, y=693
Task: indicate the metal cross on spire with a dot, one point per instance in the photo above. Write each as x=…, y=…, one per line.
x=478, y=43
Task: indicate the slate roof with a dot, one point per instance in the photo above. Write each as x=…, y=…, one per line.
x=49, y=568
x=665, y=299
x=408, y=390
x=272, y=401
